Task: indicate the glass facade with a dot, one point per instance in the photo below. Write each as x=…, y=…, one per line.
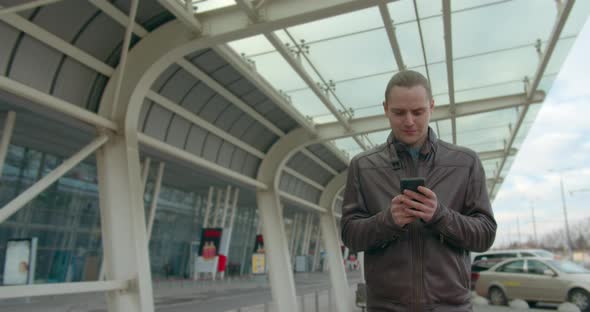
x=66, y=220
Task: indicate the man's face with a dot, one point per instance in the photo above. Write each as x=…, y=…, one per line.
x=408, y=111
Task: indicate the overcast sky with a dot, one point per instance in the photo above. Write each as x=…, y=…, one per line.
x=559, y=139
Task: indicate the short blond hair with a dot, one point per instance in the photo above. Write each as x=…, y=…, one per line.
x=408, y=79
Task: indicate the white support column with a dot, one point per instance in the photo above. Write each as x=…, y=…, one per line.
x=307, y=234
x=217, y=207
x=154, y=203
x=230, y=228
x=226, y=206
x=280, y=270
x=208, y=209
x=22, y=199
x=6, y=136
x=124, y=235
x=145, y=172
x=295, y=234
x=316, y=253
x=446, y=4
x=331, y=239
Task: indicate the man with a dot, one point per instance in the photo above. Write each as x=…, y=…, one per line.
x=416, y=244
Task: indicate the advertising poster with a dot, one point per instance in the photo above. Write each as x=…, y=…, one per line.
x=19, y=263
x=258, y=264
x=210, y=241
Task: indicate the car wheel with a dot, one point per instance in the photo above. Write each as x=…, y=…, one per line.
x=497, y=296
x=581, y=298
x=532, y=303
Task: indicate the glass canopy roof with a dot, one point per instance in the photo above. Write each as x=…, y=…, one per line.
x=495, y=45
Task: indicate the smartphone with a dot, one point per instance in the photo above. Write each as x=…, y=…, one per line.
x=411, y=184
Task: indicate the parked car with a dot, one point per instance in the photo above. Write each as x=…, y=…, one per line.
x=513, y=253
x=484, y=261
x=482, y=265
x=536, y=279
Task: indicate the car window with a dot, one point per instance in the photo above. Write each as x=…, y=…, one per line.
x=512, y=267
x=502, y=255
x=568, y=267
x=537, y=267
x=527, y=254
x=544, y=254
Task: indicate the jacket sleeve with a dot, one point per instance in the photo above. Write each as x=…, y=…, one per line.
x=361, y=230
x=472, y=227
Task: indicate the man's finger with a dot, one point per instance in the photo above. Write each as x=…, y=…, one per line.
x=427, y=192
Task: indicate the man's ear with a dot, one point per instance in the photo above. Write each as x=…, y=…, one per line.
x=385, y=107
x=431, y=105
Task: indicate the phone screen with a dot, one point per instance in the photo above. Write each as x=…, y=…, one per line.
x=411, y=184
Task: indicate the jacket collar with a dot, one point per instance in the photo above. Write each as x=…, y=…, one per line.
x=428, y=146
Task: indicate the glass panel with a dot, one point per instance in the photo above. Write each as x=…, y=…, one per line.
x=338, y=60
x=277, y=71
x=348, y=145
x=487, y=69
x=479, y=30
x=340, y=25
x=379, y=137
x=487, y=131
x=252, y=46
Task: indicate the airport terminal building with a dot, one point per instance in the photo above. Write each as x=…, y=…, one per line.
x=168, y=139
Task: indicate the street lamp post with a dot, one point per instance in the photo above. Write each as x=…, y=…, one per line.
x=567, y=228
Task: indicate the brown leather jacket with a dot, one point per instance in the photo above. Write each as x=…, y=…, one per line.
x=422, y=266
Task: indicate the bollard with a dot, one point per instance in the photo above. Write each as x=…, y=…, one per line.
x=302, y=303
x=317, y=301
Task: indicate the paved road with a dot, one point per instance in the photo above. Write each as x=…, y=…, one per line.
x=210, y=296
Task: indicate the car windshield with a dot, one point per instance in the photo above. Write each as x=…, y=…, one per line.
x=543, y=254
x=568, y=267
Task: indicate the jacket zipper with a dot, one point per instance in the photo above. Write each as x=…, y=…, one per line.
x=416, y=252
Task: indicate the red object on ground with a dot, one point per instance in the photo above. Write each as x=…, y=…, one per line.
x=221, y=263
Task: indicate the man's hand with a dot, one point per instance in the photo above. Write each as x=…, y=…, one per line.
x=399, y=211
x=417, y=205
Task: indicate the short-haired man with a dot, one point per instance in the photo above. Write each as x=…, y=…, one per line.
x=416, y=244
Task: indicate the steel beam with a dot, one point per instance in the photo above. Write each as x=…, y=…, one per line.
x=221, y=90
x=26, y=6
x=331, y=131
x=155, y=197
x=185, y=15
x=390, y=30
x=124, y=51
x=57, y=43
x=22, y=199
x=198, y=161
x=562, y=17
x=230, y=56
x=446, y=4
x=487, y=155
x=202, y=123
x=118, y=16
x=302, y=202
x=298, y=68
x=55, y=103
x=304, y=178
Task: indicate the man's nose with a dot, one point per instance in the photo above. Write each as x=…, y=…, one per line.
x=408, y=119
